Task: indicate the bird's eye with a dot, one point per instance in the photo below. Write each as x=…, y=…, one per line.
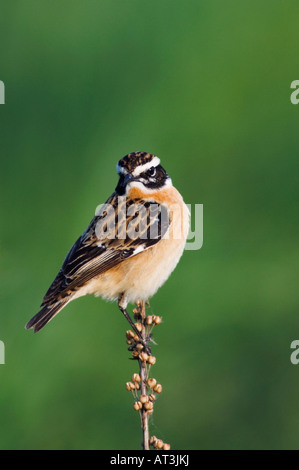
x=151, y=171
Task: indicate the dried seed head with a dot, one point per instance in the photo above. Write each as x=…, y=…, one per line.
x=158, y=388
x=138, y=326
x=159, y=444
x=149, y=405
x=157, y=320
x=143, y=398
x=143, y=356
x=135, y=353
x=149, y=319
x=136, y=378
x=151, y=360
x=151, y=383
x=152, y=440
x=128, y=386
x=130, y=334
x=139, y=346
x=166, y=446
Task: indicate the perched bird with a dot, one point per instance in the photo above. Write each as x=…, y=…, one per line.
x=130, y=247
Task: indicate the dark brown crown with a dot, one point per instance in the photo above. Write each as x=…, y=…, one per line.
x=133, y=160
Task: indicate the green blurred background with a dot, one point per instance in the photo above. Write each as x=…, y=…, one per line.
x=205, y=85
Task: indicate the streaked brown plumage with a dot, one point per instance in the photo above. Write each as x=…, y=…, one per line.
x=127, y=268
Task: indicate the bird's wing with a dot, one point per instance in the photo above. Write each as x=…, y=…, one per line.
x=121, y=229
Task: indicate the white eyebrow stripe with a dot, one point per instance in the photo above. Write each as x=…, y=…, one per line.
x=140, y=169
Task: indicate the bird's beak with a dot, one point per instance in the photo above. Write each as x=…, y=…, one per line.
x=122, y=183
x=129, y=179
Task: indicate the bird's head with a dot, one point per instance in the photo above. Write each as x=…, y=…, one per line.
x=141, y=170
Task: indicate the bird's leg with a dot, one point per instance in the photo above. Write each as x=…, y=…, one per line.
x=122, y=308
x=127, y=316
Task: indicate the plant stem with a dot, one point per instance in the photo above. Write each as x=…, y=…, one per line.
x=143, y=375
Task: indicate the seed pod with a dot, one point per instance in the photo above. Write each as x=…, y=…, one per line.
x=152, y=397
x=132, y=386
x=149, y=405
x=130, y=334
x=128, y=386
x=149, y=319
x=158, y=388
x=135, y=353
x=151, y=383
x=152, y=440
x=157, y=320
x=136, y=406
x=136, y=378
x=143, y=398
x=138, y=326
x=139, y=347
x=143, y=356
x=151, y=360
x=159, y=444
x=166, y=446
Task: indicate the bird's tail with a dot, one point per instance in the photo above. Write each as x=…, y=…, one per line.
x=45, y=315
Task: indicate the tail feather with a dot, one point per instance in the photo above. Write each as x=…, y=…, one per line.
x=44, y=316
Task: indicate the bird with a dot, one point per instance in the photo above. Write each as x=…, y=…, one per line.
x=131, y=246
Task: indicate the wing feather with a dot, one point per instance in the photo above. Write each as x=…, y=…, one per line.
x=97, y=251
